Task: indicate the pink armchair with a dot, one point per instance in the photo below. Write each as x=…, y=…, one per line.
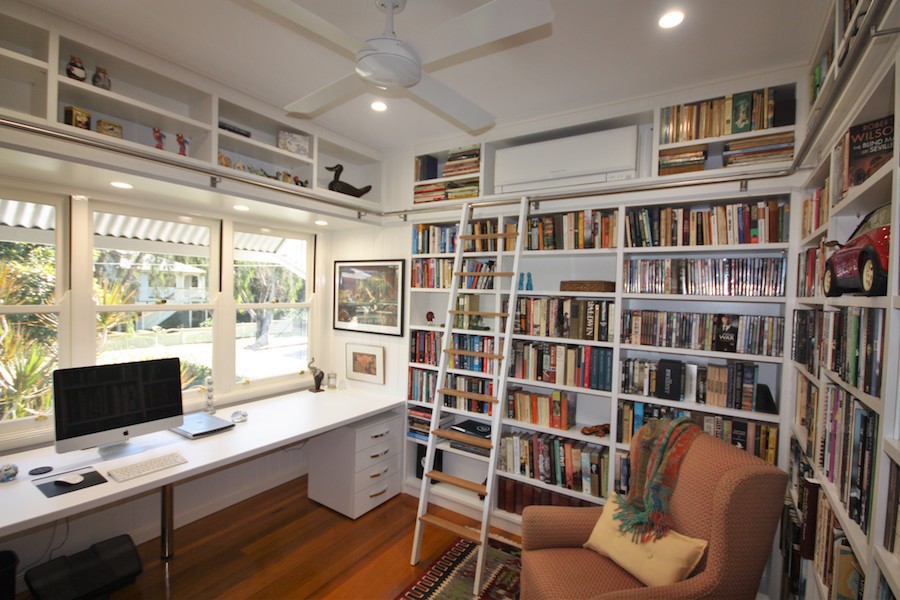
x=724, y=495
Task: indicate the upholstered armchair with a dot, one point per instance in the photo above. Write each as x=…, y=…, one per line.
x=723, y=495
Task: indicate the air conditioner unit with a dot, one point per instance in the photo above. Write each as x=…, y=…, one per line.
x=596, y=157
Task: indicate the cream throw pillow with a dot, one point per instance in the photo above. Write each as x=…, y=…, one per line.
x=661, y=562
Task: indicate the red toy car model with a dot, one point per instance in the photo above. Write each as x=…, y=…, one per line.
x=861, y=264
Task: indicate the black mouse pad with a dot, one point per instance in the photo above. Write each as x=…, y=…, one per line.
x=51, y=488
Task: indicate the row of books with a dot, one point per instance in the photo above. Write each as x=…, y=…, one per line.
x=807, y=344
x=748, y=276
x=575, y=366
x=846, y=450
x=685, y=159
x=464, y=383
x=760, y=439
x=462, y=160
x=892, y=511
x=811, y=272
x=435, y=191
x=422, y=384
x=732, y=385
x=631, y=416
x=862, y=150
x=854, y=346
x=557, y=410
x=442, y=238
x=761, y=222
x=573, y=230
x=425, y=347
x=426, y=167
x=419, y=422
x=726, y=115
x=476, y=281
x=833, y=558
x=555, y=460
x=473, y=343
x=815, y=209
x=575, y=318
x=817, y=76
x=764, y=149
x=806, y=411
x=513, y=496
x=431, y=273
x=745, y=334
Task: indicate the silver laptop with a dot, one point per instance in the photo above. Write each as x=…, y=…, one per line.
x=201, y=424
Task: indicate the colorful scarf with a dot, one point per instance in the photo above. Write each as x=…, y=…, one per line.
x=657, y=450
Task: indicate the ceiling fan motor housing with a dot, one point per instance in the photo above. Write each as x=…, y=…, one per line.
x=388, y=62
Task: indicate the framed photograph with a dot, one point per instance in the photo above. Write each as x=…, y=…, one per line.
x=368, y=296
x=365, y=363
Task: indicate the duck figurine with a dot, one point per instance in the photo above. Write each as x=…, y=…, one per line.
x=336, y=185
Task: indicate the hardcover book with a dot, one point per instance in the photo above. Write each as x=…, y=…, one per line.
x=871, y=146
x=725, y=333
x=473, y=427
x=742, y=113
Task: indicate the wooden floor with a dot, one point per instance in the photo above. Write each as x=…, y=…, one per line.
x=281, y=545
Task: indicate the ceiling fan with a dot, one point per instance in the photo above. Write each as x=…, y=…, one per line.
x=389, y=62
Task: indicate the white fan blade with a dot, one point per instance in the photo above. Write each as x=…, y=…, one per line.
x=445, y=99
x=312, y=23
x=494, y=21
x=332, y=93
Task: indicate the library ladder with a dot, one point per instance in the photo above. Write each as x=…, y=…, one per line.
x=504, y=284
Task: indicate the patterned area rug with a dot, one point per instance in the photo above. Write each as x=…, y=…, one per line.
x=452, y=576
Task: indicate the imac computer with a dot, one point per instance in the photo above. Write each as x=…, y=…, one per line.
x=107, y=405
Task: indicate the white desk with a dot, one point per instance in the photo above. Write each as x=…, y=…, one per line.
x=271, y=424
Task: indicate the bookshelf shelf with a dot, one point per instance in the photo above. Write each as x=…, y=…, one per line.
x=547, y=486
x=815, y=236
x=699, y=298
x=889, y=565
x=732, y=137
x=852, y=530
x=705, y=408
x=801, y=368
x=872, y=193
x=812, y=300
x=558, y=386
x=559, y=294
x=892, y=449
x=562, y=340
x=703, y=353
x=573, y=433
x=860, y=301
x=873, y=402
x=718, y=249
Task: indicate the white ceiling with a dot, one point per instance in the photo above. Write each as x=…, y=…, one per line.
x=595, y=52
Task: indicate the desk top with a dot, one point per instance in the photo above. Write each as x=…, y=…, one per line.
x=272, y=423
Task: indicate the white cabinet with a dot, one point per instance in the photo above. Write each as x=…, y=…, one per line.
x=356, y=468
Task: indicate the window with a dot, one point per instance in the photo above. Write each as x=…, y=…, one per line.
x=163, y=267
x=271, y=289
x=29, y=315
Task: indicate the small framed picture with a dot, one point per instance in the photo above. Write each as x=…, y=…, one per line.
x=77, y=117
x=110, y=128
x=291, y=141
x=365, y=363
x=368, y=296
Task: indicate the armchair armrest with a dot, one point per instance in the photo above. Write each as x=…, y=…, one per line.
x=557, y=526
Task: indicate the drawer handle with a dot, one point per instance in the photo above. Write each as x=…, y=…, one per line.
x=377, y=475
x=380, y=435
x=380, y=454
x=376, y=494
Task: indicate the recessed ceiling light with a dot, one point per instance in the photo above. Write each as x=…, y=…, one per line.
x=122, y=185
x=321, y=222
x=241, y=207
x=671, y=19
x=379, y=106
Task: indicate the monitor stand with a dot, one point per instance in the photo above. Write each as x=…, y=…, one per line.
x=120, y=449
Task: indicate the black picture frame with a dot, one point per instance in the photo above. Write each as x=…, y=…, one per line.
x=368, y=296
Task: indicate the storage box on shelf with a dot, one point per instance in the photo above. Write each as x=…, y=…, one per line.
x=24, y=52
x=744, y=129
x=150, y=109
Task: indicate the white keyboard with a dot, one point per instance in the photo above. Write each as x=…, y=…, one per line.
x=146, y=467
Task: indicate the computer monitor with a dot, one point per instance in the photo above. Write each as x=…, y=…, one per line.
x=107, y=405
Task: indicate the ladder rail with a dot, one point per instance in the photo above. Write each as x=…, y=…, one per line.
x=437, y=397
x=500, y=391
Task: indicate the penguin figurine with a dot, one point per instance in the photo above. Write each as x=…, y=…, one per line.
x=336, y=185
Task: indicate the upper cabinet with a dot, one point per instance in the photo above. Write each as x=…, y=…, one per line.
x=85, y=86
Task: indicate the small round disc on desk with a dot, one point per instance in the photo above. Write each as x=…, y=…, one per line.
x=40, y=470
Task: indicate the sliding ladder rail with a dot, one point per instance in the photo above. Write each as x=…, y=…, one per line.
x=499, y=376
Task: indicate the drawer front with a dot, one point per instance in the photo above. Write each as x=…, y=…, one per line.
x=377, y=473
x=369, y=498
x=377, y=433
x=383, y=450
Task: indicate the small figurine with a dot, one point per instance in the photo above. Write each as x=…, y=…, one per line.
x=101, y=79
x=528, y=284
x=301, y=182
x=182, y=144
x=429, y=316
x=521, y=281
x=75, y=69
x=160, y=137
x=8, y=472
x=318, y=374
x=336, y=185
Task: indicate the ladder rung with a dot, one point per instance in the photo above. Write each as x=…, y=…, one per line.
x=488, y=236
x=460, y=530
x=484, y=273
x=478, y=488
x=469, y=395
x=459, y=436
x=479, y=313
x=474, y=353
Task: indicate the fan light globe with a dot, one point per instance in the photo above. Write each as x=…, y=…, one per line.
x=388, y=62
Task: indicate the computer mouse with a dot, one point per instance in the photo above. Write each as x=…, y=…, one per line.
x=239, y=416
x=71, y=479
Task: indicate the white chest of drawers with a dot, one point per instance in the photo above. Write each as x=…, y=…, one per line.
x=355, y=468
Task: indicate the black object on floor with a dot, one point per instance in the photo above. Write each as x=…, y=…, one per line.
x=8, y=562
x=93, y=573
